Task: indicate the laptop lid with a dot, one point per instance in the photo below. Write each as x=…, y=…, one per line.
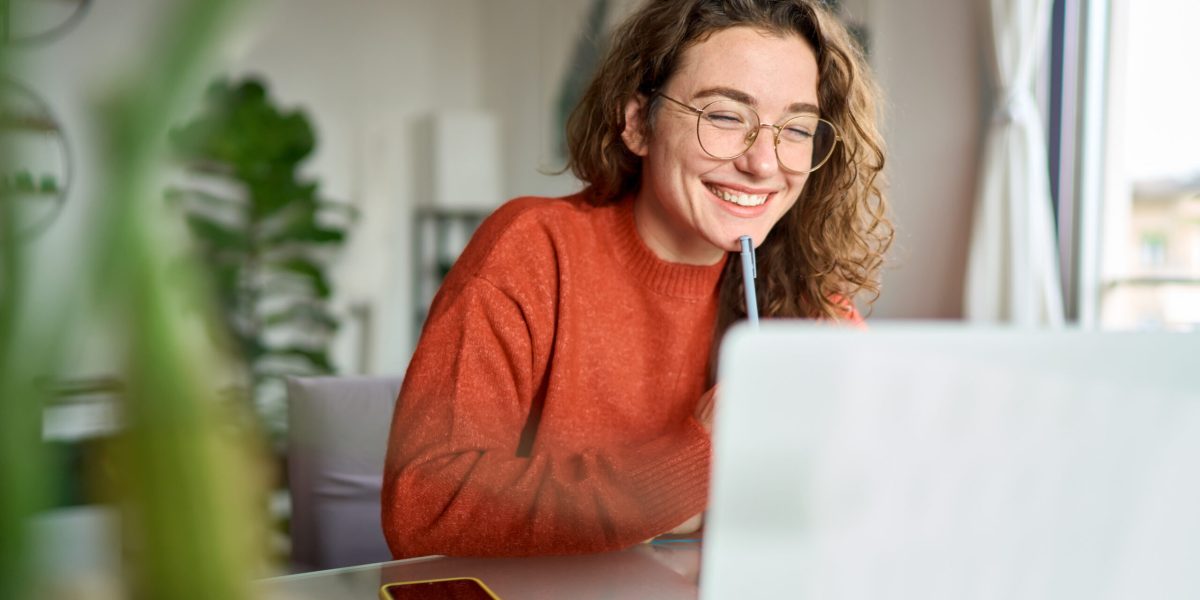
x=935, y=461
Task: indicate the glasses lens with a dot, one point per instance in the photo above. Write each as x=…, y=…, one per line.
x=726, y=128
x=805, y=143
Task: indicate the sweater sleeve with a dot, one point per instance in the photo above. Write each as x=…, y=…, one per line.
x=454, y=482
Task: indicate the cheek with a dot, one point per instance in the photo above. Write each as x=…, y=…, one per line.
x=794, y=193
x=679, y=151
x=796, y=190
x=785, y=208
x=796, y=182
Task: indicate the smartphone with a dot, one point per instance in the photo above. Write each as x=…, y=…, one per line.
x=458, y=588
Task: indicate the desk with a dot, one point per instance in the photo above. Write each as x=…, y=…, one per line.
x=659, y=571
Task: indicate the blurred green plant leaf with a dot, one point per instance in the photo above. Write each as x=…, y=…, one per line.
x=182, y=197
x=307, y=271
x=217, y=234
x=311, y=314
x=316, y=358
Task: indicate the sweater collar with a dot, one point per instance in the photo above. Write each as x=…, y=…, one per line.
x=672, y=279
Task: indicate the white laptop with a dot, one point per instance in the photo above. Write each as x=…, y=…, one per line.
x=935, y=461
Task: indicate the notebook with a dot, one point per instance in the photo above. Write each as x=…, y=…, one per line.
x=935, y=461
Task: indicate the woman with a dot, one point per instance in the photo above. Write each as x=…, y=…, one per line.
x=560, y=396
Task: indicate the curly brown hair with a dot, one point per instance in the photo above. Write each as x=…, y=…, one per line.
x=828, y=248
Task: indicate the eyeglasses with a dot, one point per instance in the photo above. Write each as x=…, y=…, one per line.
x=727, y=129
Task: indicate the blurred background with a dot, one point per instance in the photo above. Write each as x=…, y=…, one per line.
x=325, y=162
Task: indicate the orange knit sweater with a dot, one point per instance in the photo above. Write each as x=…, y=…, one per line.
x=548, y=406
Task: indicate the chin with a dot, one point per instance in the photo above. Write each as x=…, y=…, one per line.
x=757, y=237
x=731, y=243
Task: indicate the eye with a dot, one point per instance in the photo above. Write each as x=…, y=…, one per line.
x=725, y=119
x=795, y=132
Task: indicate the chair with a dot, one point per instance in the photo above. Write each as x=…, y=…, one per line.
x=337, y=440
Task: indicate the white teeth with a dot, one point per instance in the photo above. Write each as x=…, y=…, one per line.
x=736, y=198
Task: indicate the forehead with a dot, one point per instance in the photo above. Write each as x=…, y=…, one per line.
x=776, y=70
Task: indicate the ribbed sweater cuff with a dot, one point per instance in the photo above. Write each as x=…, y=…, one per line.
x=674, y=487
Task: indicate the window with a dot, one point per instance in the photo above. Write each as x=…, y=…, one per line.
x=1137, y=262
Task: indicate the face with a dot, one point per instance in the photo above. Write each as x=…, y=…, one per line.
x=692, y=208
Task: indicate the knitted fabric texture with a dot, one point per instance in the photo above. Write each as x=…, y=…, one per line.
x=548, y=406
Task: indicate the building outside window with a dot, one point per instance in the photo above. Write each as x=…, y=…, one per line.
x=1146, y=258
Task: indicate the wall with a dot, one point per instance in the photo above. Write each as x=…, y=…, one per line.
x=930, y=61
x=353, y=68
x=528, y=49
x=74, y=74
x=369, y=72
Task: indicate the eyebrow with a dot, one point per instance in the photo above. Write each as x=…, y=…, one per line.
x=744, y=98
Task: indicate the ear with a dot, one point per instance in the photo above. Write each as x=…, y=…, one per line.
x=632, y=134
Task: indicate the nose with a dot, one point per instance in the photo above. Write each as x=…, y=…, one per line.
x=760, y=160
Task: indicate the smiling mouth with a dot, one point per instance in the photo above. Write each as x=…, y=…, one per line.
x=737, y=198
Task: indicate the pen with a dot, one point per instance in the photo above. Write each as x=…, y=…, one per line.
x=749, y=273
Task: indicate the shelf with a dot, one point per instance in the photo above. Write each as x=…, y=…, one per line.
x=439, y=236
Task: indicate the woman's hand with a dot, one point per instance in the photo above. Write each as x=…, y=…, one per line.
x=689, y=526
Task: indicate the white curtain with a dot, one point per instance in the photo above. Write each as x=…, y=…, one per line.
x=1012, y=272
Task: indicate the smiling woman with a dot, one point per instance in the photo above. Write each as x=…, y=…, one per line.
x=559, y=400
x=693, y=206
x=827, y=250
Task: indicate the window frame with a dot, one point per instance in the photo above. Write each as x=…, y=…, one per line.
x=1080, y=43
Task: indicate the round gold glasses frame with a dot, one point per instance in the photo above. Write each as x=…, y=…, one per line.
x=753, y=135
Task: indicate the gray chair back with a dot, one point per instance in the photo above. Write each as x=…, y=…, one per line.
x=337, y=439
